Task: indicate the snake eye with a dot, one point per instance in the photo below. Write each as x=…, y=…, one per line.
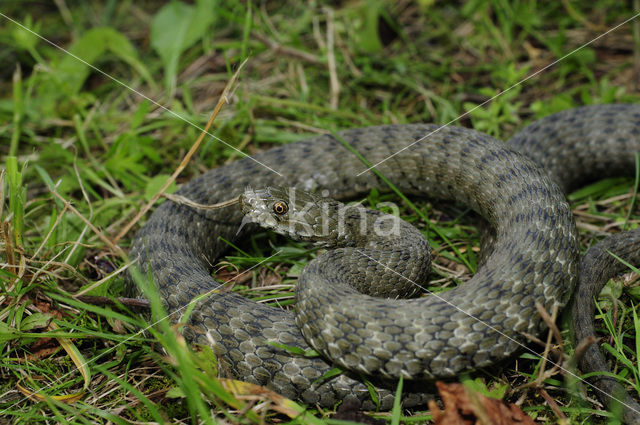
x=280, y=207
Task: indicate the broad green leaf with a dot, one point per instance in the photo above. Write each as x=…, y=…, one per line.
x=138, y=117
x=35, y=321
x=100, y=290
x=7, y=332
x=24, y=38
x=369, y=39
x=207, y=360
x=92, y=46
x=175, y=28
x=610, y=293
x=634, y=292
x=328, y=375
x=175, y=392
x=478, y=385
x=155, y=184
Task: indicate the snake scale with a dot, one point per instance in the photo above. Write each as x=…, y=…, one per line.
x=534, y=257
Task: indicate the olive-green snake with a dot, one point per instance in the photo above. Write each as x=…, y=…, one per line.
x=534, y=257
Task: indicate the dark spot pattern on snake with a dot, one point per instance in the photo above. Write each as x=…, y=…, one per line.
x=534, y=257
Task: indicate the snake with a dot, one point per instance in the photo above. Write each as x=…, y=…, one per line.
x=519, y=187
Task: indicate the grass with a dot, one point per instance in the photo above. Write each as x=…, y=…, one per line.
x=83, y=153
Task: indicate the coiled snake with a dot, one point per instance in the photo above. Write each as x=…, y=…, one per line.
x=534, y=258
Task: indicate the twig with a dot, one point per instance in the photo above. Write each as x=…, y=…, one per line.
x=581, y=349
x=542, y=343
x=51, y=230
x=554, y=333
x=98, y=300
x=115, y=248
x=571, y=11
x=552, y=403
x=316, y=33
x=550, y=321
x=223, y=99
x=86, y=198
x=51, y=261
x=347, y=57
x=288, y=51
x=101, y=281
x=334, y=84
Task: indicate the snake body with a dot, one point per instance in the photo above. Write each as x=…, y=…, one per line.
x=534, y=258
x=363, y=242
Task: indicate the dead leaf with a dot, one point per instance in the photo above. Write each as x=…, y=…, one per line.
x=80, y=362
x=463, y=406
x=252, y=392
x=43, y=348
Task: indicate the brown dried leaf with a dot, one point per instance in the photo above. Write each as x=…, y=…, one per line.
x=43, y=348
x=463, y=406
x=252, y=392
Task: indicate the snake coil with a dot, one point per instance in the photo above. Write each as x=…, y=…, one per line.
x=535, y=254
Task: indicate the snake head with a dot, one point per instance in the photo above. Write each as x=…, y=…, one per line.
x=292, y=212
